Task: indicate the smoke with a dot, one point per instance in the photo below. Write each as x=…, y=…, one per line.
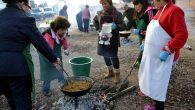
x=74, y=6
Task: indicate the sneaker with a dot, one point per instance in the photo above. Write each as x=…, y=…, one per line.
x=149, y=107
x=140, y=93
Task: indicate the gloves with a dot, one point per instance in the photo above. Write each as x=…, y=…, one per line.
x=57, y=64
x=66, y=52
x=136, y=31
x=164, y=55
x=142, y=47
x=114, y=26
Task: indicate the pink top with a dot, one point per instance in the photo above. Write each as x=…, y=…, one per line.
x=86, y=14
x=50, y=41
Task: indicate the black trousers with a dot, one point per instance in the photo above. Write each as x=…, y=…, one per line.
x=140, y=56
x=159, y=105
x=17, y=90
x=112, y=61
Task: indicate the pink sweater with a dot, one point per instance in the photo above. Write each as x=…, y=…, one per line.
x=50, y=41
x=86, y=14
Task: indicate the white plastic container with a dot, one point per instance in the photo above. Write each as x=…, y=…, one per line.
x=106, y=28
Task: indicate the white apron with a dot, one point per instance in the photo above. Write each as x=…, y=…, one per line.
x=154, y=74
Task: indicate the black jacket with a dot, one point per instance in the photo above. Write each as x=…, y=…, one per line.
x=129, y=15
x=16, y=32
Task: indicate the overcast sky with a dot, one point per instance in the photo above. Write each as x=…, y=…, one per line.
x=74, y=2
x=73, y=5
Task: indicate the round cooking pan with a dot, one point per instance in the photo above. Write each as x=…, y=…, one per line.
x=81, y=92
x=124, y=33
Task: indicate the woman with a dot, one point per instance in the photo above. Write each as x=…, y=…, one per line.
x=79, y=21
x=142, y=16
x=63, y=12
x=86, y=18
x=109, y=51
x=17, y=31
x=128, y=13
x=55, y=37
x=165, y=36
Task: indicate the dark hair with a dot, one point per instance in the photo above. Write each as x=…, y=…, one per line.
x=108, y=1
x=60, y=23
x=87, y=6
x=14, y=1
x=65, y=7
x=144, y=3
x=172, y=1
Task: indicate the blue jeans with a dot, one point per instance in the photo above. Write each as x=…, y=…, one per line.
x=86, y=25
x=47, y=84
x=112, y=61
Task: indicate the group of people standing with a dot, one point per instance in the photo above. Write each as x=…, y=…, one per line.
x=160, y=32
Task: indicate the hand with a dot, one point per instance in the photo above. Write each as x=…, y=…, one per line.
x=164, y=55
x=142, y=32
x=136, y=31
x=142, y=47
x=57, y=64
x=114, y=26
x=66, y=52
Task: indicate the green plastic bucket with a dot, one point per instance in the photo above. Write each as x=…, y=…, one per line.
x=81, y=65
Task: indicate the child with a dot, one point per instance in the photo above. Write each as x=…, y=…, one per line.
x=55, y=37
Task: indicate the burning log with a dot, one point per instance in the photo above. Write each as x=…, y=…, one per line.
x=129, y=89
x=123, y=86
x=111, y=89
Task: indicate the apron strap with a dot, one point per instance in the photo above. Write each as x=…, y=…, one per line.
x=162, y=11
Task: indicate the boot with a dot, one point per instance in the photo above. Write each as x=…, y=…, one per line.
x=110, y=72
x=116, y=76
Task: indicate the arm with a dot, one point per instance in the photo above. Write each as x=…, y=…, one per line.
x=119, y=22
x=49, y=40
x=65, y=43
x=89, y=14
x=179, y=31
x=96, y=22
x=30, y=30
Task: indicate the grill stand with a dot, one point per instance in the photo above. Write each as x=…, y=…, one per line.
x=76, y=102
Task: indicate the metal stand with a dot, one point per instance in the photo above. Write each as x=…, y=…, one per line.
x=76, y=103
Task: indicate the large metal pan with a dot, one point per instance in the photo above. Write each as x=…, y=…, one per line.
x=124, y=33
x=81, y=92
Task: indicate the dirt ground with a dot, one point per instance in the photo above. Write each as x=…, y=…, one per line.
x=181, y=92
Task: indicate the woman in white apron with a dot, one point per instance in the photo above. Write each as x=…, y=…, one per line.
x=165, y=36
